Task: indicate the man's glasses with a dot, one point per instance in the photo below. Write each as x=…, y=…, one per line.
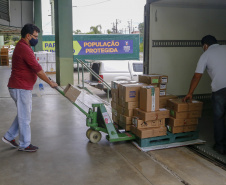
x=34, y=36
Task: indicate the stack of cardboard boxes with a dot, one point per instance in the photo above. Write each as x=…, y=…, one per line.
x=125, y=97
x=149, y=119
x=183, y=115
x=160, y=81
x=144, y=108
x=116, y=102
x=4, y=56
x=155, y=80
x=47, y=60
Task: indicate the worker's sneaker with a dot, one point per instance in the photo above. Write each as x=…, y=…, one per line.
x=30, y=148
x=12, y=142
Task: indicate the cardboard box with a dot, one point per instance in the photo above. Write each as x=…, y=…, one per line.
x=124, y=111
x=162, y=92
x=114, y=95
x=130, y=105
x=115, y=119
x=148, y=124
x=195, y=105
x=71, y=92
x=179, y=106
x=175, y=130
x=190, y=128
x=183, y=115
x=148, y=116
x=125, y=119
x=149, y=79
x=113, y=105
x=148, y=132
x=163, y=79
x=51, y=67
x=128, y=112
x=115, y=84
x=181, y=122
x=180, y=129
x=162, y=86
x=149, y=98
x=129, y=92
x=163, y=100
x=127, y=127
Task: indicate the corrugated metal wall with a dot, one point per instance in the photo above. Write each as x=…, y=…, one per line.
x=4, y=10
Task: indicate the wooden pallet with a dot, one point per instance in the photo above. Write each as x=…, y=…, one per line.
x=169, y=138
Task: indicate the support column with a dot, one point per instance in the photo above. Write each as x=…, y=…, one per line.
x=38, y=22
x=63, y=42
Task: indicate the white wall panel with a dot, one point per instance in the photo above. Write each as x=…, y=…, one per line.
x=179, y=23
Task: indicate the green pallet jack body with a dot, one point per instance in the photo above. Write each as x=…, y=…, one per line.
x=98, y=120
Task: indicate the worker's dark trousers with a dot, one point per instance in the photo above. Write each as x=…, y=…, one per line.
x=219, y=107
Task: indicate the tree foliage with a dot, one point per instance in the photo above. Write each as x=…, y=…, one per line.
x=77, y=32
x=95, y=29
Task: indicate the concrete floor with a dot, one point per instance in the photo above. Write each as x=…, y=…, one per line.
x=67, y=157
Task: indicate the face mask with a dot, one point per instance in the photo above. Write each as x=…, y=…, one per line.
x=33, y=42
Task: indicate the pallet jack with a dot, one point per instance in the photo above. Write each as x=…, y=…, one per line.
x=98, y=120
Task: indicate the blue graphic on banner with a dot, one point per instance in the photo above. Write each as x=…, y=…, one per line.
x=102, y=47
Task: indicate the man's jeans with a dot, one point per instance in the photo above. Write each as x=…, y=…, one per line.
x=21, y=124
x=219, y=107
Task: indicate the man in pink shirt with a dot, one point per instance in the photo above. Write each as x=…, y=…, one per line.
x=25, y=70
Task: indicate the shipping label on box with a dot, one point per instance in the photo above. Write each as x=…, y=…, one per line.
x=149, y=79
x=162, y=86
x=162, y=92
x=149, y=98
x=163, y=79
x=148, y=116
x=71, y=92
x=130, y=92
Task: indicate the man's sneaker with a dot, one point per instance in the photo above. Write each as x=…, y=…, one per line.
x=12, y=142
x=30, y=148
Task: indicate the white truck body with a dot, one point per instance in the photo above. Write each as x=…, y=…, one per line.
x=116, y=70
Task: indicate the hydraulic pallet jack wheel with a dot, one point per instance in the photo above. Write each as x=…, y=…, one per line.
x=95, y=136
x=88, y=132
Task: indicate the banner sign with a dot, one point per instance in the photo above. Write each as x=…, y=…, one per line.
x=95, y=47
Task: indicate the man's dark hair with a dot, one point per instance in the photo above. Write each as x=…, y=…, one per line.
x=29, y=28
x=209, y=40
